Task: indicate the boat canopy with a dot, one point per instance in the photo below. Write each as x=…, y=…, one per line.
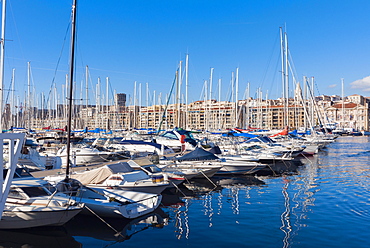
x=101, y=174
x=261, y=139
x=197, y=155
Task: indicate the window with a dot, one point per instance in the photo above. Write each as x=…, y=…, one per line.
x=35, y=191
x=13, y=193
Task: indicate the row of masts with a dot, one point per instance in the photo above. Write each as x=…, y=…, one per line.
x=50, y=107
x=52, y=110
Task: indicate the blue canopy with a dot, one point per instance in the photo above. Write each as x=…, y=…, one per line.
x=197, y=155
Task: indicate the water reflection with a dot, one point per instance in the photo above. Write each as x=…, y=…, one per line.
x=285, y=216
x=287, y=209
x=37, y=237
x=208, y=192
x=298, y=192
x=114, y=229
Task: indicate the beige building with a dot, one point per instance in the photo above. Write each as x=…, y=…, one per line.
x=354, y=112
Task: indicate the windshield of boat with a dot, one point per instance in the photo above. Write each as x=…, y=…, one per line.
x=35, y=191
x=49, y=187
x=152, y=169
x=13, y=193
x=170, y=135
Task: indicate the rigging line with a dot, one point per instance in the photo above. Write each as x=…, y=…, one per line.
x=58, y=62
x=274, y=80
x=105, y=222
x=203, y=92
x=168, y=101
x=9, y=90
x=291, y=64
x=16, y=28
x=269, y=61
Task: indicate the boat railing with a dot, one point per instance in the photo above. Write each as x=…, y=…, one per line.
x=15, y=143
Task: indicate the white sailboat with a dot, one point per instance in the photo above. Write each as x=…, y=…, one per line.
x=120, y=175
x=82, y=155
x=33, y=202
x=105, y=200
x=26, y=203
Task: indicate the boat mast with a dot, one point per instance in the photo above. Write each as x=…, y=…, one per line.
x=178, y=95
x=12, y=108
x=286, y=80
x=236, y=97
x=186, y=90
x=2, y=51
x=134, y=121
x=87, y=86
x=29, y=95
x=71, y=70
x=147, y=105
x=342, y=103
x=219, y=103
x=210, y=113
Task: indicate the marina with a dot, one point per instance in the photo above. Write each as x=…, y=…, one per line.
x=87, y=168
x=324, y=203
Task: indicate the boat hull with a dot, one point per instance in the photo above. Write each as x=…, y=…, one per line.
x=27, y=217
x=122, y=203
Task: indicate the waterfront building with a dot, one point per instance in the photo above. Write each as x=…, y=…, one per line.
x=351, y=112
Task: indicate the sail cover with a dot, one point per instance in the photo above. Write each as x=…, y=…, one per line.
x=101, y=174
x=197, y=155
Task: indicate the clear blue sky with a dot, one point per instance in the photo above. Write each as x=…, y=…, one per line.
x=144, y=41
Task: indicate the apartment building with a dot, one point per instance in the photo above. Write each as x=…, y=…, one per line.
x=353, y=112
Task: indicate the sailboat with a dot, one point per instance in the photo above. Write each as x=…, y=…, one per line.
x=103, y=201
x=27, y=202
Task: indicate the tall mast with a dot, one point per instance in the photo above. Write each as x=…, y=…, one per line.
x=97, y=125
x=29, y=95
x=286, y=79
x=2, y=53
x=12, y=109
x=219, y=103
x=42, y=109
x=312, y=102
x=56, y=116
x=232, y=98
x=107, y=103
x=87, y=86
x=178, y=97
x=107, y=94
x=236, y=96
x=186, y=89
x=282, y=52
x=342, y=102
x=210, y=98
x=71, y=70
x=247, y=106
x=140, y=104
x=147, y=105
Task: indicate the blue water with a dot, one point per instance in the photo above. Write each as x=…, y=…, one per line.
x=326, y=203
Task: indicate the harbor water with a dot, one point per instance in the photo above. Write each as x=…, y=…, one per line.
x=325, y=202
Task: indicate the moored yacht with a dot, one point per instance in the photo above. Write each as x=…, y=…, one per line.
x=34, y=202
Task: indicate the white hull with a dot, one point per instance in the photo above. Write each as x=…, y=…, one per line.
x=27, y=217
x=239, y=167
x=141, y=187
x=82, y=156
x=127, y=204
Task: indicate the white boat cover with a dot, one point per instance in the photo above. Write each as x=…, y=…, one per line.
x=99, y=175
